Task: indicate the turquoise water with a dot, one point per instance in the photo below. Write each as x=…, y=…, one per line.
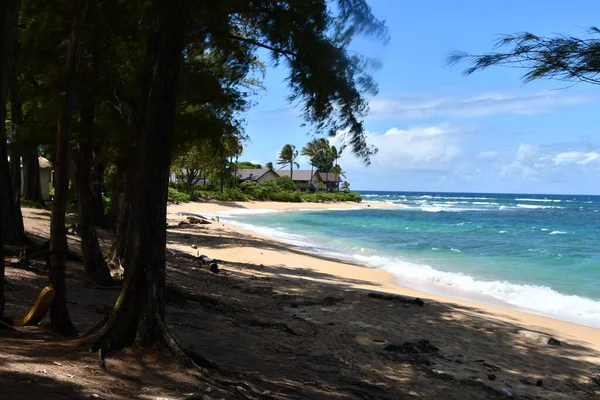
x=540, y=253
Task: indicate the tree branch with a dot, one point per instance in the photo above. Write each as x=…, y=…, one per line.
x=289, y=55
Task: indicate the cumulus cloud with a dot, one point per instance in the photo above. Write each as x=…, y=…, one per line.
x=544, y=164
x=426, y=148
x=522, y=103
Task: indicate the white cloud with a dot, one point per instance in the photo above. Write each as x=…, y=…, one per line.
x=575, y=157
x=522, y=103
x=534, y=163
x=430, y=148
x=566, y=158
x=526, y=152
x=589, y=157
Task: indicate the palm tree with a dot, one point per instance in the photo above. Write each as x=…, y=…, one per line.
x=346, y=186
x=311, y=150
x=323, y=159
x=337, y=170
x=288, y=155
x=269, y=165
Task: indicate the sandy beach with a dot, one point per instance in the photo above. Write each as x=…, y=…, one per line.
x=282, y=323
x=382, y=280
x=487, y=332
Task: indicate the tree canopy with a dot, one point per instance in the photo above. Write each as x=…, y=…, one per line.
x=139, y=90
x=563, y=57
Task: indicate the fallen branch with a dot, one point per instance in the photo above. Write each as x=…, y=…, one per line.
x=401, y=299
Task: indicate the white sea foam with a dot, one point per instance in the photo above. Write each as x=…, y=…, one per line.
x=533, y=206
x=538, y=299
x=277, y=233
x=540, y=200
x=501, y=231
x=558, y=233
x=431, y=209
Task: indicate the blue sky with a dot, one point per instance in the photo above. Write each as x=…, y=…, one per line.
x=437, y=130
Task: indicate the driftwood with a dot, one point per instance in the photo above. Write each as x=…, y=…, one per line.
x=209, y=264
x=197, y=220
x=401, y=299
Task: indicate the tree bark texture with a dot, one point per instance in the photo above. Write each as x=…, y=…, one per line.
x=98, y=190
x=16, y=111
x=32, y=187
x=59, y=313
x=9, y=15
x=93, y=259
x=140, y=309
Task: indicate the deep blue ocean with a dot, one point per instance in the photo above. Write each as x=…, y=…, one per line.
x=539, y=253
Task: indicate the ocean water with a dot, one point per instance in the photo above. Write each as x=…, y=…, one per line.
x=538, y=253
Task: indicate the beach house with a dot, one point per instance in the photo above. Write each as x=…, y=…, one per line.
x=304, y=179
x=46, y=177
x=330, y=181
x=257, y=175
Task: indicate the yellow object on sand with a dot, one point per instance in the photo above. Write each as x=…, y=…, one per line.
x=39, y=309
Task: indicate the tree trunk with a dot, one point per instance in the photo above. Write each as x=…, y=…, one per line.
x=140, y=309
x=93, y=259
x=98, y=189
x=121, y=205
x=9, y=15
x=59, y=313
x=32, y=188
x=16, y=110
x=12, y=221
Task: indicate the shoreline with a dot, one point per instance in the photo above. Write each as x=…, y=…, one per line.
x=383, y=281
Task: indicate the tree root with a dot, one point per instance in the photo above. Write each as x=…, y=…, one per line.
x=177, y=295
x=4, y=325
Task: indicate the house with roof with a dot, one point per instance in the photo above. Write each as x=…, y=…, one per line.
x=331, y=181
x=304, y=179
x=46, y=177
x=257, y=175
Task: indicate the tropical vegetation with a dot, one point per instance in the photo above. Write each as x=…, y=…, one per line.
x=125, y=92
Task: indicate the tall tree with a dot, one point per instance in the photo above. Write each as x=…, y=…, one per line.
x=16, y=116
x=93, y=259
x=309, y=37
x=269, y=165
x=311, y=150
x=140, y=310
x=287, y=156
x=9, y=14
x=59, y=313
x=12, y=220
x=566, y=58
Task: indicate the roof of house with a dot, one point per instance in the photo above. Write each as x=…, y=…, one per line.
x=251, y=174
x=299, y=175
x=44, y=163
x=330, y=177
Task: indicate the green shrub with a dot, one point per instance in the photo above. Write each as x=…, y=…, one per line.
x=176, y=195
x=286, y=183
x=231, y=195
x=107, y=204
